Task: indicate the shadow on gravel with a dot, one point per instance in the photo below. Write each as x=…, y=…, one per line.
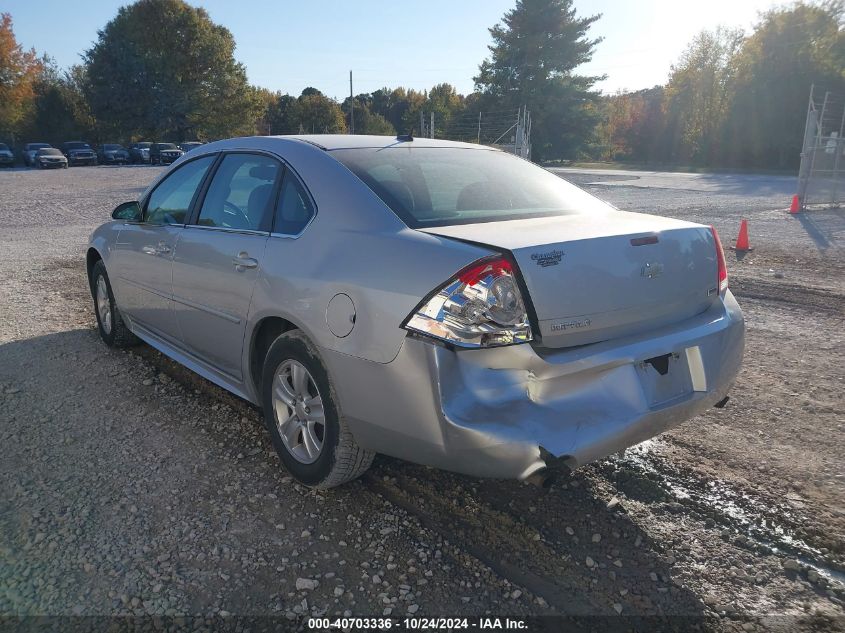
x=826, y=227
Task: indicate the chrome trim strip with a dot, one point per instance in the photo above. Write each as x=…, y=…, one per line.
x=225, y=229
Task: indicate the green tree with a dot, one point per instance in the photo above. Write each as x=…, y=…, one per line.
x=366, y=121
x=533, y=58
x=698, y=94
x=163, y=69
x=789, y=50
x=318, y=114
x=61, y=111
x=446, y=103
x=283, y=115
x=19, y=71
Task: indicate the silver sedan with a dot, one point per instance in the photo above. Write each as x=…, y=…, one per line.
x=444, y=303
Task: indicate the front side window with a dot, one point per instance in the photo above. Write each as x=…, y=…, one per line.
x=240, y=193
x=171, y=200
x=438, y=186
x=294, y=209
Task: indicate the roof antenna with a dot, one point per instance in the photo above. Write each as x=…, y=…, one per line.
x=405, y=137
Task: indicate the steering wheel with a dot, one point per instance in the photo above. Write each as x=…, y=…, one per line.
x=236, y=210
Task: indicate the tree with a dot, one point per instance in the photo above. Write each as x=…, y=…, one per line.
x=283, y=115
x=446, y=103
x=162, y=69
x=533, y=58
x=61, y=111
x=632, y=127
x=319, y=114
x=366, y=121
x=790, y=50
x=698, y=93
x=19, y=70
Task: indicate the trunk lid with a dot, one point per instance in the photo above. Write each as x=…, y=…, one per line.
x=601, y=276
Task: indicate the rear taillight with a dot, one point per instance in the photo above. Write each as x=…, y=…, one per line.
x=481, y=306
x=720, y=258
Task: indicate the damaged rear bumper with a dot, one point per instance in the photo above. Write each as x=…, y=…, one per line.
x=507, y=411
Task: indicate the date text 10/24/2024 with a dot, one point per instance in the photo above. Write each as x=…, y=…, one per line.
x=422, y=623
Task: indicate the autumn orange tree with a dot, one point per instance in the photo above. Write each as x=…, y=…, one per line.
x=19, y=71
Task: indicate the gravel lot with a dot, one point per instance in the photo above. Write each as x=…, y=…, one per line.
x=129, y=486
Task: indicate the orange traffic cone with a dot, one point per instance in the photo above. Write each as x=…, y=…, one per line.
x=742, y=239
x=796, y=205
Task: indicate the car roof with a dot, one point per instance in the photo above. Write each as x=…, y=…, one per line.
x=360, y=141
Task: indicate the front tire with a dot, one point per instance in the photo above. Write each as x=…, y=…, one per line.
x=303, y=416
x=110, y=323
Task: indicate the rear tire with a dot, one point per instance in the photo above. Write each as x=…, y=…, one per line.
x=331, y=456
x=110, y=323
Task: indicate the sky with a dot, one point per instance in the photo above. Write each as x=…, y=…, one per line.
x=288, y=45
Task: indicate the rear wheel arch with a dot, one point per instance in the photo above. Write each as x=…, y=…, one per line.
x=266, y=331
x=91, y=258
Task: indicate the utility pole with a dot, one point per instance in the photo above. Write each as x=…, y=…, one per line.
x=478, y=137
x=431, y=127
x=422, y=124
x=351, y=106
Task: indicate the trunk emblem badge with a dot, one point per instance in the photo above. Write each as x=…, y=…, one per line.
x=552, y=258
x=651, y=270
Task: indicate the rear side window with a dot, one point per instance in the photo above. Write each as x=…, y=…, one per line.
x=294, y=209
x=240, y=193
x=170, y=201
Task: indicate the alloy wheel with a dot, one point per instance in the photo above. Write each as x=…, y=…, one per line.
x=298, y=410
x=103, y=304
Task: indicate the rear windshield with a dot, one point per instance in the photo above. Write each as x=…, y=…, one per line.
x=49, y=151
x=37, y=145
x=77, y=145
x=112, y=148
x=166, y=146
x=438, y=186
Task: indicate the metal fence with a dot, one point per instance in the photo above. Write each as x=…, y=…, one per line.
x=509, y=130
x=821, y=178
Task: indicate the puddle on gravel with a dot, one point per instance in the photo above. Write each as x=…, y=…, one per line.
x=716, y=499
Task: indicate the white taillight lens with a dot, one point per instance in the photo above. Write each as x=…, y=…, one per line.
x=481, y=306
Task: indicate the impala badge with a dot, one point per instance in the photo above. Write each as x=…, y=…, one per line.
x=551, y=258
x=651, y=270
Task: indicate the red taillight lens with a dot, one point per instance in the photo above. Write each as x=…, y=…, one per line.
x=481, y=306
x=720, y=258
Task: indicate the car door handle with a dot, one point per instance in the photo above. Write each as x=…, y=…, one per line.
x=243, y=261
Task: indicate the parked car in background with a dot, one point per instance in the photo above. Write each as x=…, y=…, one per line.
x=50, y=158
x=164, y=153
x=79, y=153
x=7, y=159
x=139, y=152
x=112, y=154
x=445, y=303
x=189, y=145
x=29, y=152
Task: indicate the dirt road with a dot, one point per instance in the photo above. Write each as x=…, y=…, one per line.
x=130, y=486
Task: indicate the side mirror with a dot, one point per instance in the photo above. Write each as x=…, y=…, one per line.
x=130, y=211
